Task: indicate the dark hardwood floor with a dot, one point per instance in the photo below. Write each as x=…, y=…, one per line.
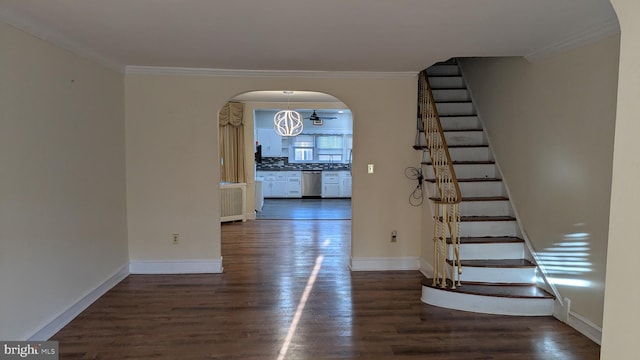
x=305, y=208
x=287, y=293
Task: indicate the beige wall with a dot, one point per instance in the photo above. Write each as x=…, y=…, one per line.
x=622, y=296
x=551, y=125
x=172, y=168
x=62, y=183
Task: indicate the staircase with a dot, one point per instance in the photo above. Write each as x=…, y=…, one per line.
x=498, y=275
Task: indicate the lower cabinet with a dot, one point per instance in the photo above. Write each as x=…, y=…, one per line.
x=280, y=184
x=336, y=184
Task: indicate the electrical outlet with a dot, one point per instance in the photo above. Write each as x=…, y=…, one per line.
x=394, y=236
x=176, y=238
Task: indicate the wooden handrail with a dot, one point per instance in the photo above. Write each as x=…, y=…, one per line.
x=447, y=209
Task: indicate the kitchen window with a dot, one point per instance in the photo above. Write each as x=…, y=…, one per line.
x=320, y=148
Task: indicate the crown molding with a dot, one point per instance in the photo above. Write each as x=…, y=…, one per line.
x=185, y=71
x=49, y=35
x=592, y=34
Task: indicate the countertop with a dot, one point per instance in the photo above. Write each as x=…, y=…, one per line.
x=303, y=167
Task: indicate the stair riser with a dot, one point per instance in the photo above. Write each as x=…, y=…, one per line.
x=488, y=251
x=498, y=275
x=451, y=95
x=449, y=109
x=466, y=154
x=468, y=171
x=470, y=154
x=443, y=70
x=485, y=208
x=488, y=228
x=465, y=138
x=460, y=122
x=487, y=304
x=448, y=82
x=469, y=189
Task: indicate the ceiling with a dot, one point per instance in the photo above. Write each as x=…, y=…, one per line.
x=308, y=35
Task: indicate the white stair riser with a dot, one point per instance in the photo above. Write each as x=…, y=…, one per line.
x=488, y=228
x=498, y=275
x=447, y=82
x=485, y=208
x=465, y=154
x=487, y=304
x=443, y=70
x=470, y=154
x=470, y=189
x=488, y=251
x=466, y=171
x=451, y=95
x=465, y=138
x=460, y=122
x=449, y=109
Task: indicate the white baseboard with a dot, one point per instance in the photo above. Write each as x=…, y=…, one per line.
x=426, y=269
x=585, y=327
x=50, y=329
x=384, y=263
x=209, y=266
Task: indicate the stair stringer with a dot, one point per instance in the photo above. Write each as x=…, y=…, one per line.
x=560, y=310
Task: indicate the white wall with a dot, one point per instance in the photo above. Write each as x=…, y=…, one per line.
x=62, y=182
x=172, y=171
x=551, y=125
x=622, y=295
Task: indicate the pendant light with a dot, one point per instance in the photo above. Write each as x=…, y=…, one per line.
x=287, y=122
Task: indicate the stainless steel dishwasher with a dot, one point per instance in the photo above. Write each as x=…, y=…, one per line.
x=311, y=183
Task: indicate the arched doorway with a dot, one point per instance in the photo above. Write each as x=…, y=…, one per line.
x=281, y=171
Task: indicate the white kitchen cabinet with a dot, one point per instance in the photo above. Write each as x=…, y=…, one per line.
x=336, y=184
x=271, y=142
x=274, y=183
x=294, y=184
x=330, y=184
x=345, y=184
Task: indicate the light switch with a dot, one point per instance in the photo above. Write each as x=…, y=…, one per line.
x=370, y=168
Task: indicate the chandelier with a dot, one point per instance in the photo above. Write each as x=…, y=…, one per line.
x=287, y=122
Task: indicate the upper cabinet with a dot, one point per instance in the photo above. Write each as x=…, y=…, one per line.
x=271, y=142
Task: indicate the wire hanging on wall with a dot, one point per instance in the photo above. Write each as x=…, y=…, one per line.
x=416, y=197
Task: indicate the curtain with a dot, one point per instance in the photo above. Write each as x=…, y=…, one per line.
x=231, y=124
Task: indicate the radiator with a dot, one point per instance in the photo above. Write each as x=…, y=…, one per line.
x=233, y=201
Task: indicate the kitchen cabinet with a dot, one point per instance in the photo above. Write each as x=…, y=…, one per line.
x=280, y=184
x=336, y=184
x=271, y=142
x=330, y=184
x=345, y=184
x=274, y=183
x=294, y=184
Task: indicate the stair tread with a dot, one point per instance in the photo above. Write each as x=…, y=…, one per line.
x=477, y=198
x=499, y=263
x=463, y=130
x=469, y=179
x=453, y=101
x=488, y=240
x=466, y=162
x=469, y=146
x=496, y=290
x=486, y=218
x=424, y=147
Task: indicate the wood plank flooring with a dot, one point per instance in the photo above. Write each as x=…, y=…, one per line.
x=248, y=311
x=305, y=208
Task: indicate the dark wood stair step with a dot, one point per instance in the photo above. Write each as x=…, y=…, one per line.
x=496, y=290
x=467, y=180
x=488, y=240
x=466, y=162
x=477, y=198
x=501, y=263
x=486, y=218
